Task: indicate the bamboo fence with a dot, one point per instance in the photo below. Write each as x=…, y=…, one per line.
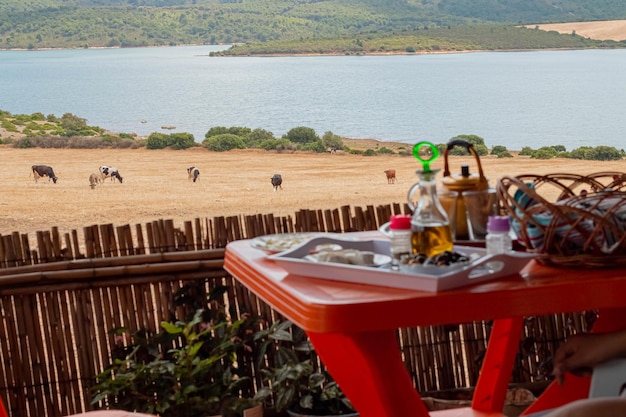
x=60, y=299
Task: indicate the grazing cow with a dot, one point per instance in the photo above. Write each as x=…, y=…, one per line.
x=113, y=173
x=277, y=182
x=391, y=176
x=44, y=171
x=193, y=173
x=94, y=179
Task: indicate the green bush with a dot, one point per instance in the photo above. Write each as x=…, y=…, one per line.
x=233, y=130
x=23, y=143
x=478, y=142
x=599, y=153
x=330, y=140
x=181, y=140
x=9, y=126
x=385, y=150
x=545, y=152
x=302, y=135
x=255, y=138
x=317, y=147
x=274, y=144
x=526, y=151
x=224, y=142
x=156, y=141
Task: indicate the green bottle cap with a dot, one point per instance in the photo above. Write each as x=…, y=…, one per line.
x=425, y=152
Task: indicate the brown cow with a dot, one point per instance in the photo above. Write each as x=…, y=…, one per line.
x=391, y=176
x=94, y=179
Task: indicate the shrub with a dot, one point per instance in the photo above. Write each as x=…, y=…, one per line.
x=545, y=152
x=317, y=147
x=385, y=150
x=478, y=142
x=216, y=130
x=273, y=144
x=181, y=141
x=330, y=140
x=23, y=143
x=599, y=153
x=224, y=142
x=255, y=138
x=84, y=143
x=9, y=126
x=526, y=151
x=156, y=141
x=302, y=135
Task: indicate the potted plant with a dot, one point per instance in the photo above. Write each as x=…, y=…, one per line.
x=295, y=381
x=187, y=370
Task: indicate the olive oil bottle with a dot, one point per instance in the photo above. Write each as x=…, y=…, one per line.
x=431, y=233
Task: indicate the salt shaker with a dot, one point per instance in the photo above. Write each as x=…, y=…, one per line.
x=399, y=238
x=498, y=239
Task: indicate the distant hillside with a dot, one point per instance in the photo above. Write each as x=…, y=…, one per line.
x=130, y=23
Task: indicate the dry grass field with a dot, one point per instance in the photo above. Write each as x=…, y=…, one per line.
x=600, y=30
x=238, y=182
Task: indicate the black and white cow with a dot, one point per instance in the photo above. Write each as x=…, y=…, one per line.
x=107, y=171
x=43, y=171
x=277, y=181
x=193, y=173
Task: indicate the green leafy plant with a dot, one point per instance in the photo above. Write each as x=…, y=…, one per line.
x=189, y=369
x=296, y=381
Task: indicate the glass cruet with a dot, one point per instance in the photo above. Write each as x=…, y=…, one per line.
x=431, y=233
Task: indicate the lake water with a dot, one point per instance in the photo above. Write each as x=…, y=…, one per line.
x=515, y=99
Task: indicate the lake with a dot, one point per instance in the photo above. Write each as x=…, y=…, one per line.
x=516, y=99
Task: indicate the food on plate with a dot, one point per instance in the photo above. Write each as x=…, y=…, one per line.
x=345, y=256
x=325, y=247
x=442, y=259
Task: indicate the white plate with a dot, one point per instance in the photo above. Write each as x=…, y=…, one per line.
x=281, y=241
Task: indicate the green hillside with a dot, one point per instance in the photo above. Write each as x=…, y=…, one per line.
x=132, y=23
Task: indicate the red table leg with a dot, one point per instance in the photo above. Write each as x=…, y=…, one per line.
x=369, y=369
x=497, y=368
x=3, y=411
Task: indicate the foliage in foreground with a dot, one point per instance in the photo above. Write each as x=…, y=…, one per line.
x=190, y=368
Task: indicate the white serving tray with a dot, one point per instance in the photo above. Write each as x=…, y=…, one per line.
x=433, y=279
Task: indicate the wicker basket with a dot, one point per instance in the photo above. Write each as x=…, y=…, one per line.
x=567, y=219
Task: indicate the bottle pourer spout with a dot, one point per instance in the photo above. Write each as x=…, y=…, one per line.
x=425, y=152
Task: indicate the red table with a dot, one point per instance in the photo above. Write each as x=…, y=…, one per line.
x=353, y=327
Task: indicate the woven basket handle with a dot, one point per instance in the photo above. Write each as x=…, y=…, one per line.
x=470, y=148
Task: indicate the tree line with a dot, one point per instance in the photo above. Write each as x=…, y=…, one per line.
x=71, y=131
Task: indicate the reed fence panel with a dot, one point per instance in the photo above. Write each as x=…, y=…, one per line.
x=62, y=294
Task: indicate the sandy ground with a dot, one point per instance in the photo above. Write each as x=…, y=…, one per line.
x=238, y=182
x=600, y=30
